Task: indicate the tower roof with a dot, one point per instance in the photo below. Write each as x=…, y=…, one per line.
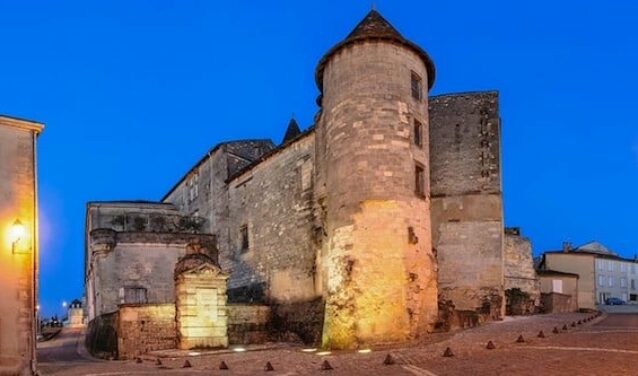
x=375, y=27
x=292, y=131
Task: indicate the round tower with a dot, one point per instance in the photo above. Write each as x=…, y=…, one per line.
x=378, y=268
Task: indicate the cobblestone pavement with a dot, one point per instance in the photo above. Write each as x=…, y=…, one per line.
x=606, y=346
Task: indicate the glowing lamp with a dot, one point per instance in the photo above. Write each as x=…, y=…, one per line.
x=16, y=233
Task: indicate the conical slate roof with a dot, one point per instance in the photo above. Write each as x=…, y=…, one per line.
x=292, y=131
x=374, y=27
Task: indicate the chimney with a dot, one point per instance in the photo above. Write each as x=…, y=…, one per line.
x=567, y=246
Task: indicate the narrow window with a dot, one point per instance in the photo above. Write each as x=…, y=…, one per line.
x=135, y=295
x=419, y=180
x=244, y=237
x=418, y=133
x=557, y=286
x=611, y=281
x=417, y=83
x=633, y=284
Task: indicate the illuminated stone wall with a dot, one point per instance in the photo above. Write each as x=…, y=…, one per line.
x=122, y=258
x=467, y=210
x=17, y=262
x=200, y=305
x=378, y=270
x=145, y=327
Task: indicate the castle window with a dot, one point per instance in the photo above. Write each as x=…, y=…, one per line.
x=417, y=87
x=419, y=180
x=243, y=232
x=133, y=295
x=193, y=187
x=418, y=133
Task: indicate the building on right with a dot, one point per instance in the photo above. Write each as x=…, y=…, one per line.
x=602, y=273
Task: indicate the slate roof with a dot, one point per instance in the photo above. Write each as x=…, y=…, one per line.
x=292, y=131
x=374, y=27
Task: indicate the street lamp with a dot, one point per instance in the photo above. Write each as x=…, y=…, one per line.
x=64, y=304
x=17, y=233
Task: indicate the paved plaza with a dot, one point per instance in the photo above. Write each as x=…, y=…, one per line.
x=579, y=350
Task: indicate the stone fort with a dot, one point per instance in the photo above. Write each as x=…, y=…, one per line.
x=382, y=221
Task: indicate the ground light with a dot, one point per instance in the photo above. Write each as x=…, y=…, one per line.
x=323, y=353
x=364, y=351
x=239, y=349
x=308, y=350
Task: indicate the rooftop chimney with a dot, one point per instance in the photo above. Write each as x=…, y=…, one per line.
x=567, y=246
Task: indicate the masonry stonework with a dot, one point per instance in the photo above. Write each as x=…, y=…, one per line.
x=18, y=245
x=379, y=284
x=381, y=220
x=145, y=327
x=200, y=303
x=467, y=211
x=519, y=270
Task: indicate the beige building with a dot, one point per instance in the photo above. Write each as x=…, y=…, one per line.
x=579, y=263
x=19, y=245
x=378, y=222
x=602, y=273
x=559, y=291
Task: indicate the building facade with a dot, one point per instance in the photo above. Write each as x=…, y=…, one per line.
x=602, y=273
x=19, y=245
x=357, y=229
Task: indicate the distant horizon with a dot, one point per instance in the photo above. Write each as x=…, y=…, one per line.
x=133, y=94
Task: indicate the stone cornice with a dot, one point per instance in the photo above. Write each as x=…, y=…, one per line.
x=28, y=125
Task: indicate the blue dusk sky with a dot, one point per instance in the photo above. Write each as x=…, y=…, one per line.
x=134, y=92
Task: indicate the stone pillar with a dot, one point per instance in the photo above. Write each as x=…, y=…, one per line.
x=200, y=303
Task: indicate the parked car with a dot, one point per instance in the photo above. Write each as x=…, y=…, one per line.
x=614, y=301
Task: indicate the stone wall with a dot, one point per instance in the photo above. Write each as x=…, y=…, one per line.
x=18, y=260
x=378, y=270
x=273, y=202
x=467, y=211
x=519, y=268
x=145, y=327
x=128, y=247
x=248, y=323
x=202, y=190
x=129, y=266
x=101, y=336
x=558, y=303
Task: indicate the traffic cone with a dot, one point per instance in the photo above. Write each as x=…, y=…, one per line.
x=490, y=345
x=187, y=364
x=448, y=353
x=268, y=367
x=565, y=327
x=555, y=331
x=223, y=365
